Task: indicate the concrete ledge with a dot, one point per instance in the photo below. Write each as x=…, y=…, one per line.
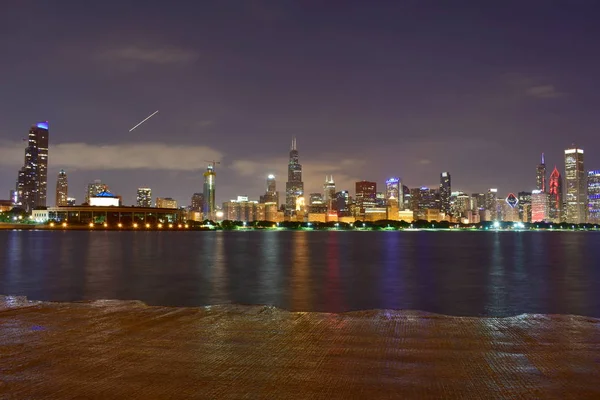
x=126, y=350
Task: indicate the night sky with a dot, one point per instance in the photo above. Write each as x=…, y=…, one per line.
x=370, y=90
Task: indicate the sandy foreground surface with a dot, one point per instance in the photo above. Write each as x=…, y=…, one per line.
x=126, y=350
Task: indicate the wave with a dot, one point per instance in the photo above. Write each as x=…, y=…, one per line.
x=17, y=302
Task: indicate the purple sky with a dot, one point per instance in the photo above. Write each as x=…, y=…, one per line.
x=370, y=89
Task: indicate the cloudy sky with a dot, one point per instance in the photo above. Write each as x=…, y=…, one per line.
x=370, y=89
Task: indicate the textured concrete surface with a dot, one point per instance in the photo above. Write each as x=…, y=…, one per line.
x=126, y=350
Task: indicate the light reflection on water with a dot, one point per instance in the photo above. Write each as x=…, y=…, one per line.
x=467, y=273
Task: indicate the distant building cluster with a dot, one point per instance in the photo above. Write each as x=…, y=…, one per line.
x=572, y=197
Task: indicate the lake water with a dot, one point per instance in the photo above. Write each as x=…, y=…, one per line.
x=454, y=273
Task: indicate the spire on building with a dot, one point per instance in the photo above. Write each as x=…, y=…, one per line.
x=294, y=143
x=543, y=162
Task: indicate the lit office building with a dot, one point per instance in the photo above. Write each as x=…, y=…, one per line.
x=555, y=197
x=491, y=203
x=524, y=206
x=294, y=187
x=341, y=203
x=329, y=191
x=209, y=192
x=62, y=189
x=197, y=202
x=539, y=206
x=71, y=201
x=380, y=200
x=445, y=191
x=576, y=193
x=540, y=176
x=32, y=178
x=594, y=197
x=144, y=197
x=245, y=210
x=477, y=201
x=366, y=195
x=166, y=202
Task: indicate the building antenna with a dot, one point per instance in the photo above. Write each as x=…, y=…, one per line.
x=294, y=143
x=212, y=163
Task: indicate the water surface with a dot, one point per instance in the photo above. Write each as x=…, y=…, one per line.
x=454, y=273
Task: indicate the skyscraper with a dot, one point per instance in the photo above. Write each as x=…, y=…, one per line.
x=94, y=188
x=555, y=197
x=144, y=197
x=294, y=187
x=445, y=192
x=62, y=189
x=524, y=206
x=491, y=203
x=197, y=202
x=575, y=178
x=33, y=177
x=342, y=203
x=540, y=176
x=539, y=206
x=271, y=195
x=329, y=191
x=393, y=192
x=366, y=195
x=209, y=192
x=594, y=197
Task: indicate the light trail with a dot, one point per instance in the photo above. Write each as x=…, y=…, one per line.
x=144, y=120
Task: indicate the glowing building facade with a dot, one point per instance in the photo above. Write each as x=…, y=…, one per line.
x=294, y=187
x=555, y=197
x=594, y=197
x=62, y=189
x=393, y=192
x=209, y=192
x=32, y=179
x=539, y=206
x=576, y=190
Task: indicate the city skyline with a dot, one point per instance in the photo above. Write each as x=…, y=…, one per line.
x=405, y=90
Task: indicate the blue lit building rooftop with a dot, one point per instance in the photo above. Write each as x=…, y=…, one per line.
x=105, y=194
x=42, y=125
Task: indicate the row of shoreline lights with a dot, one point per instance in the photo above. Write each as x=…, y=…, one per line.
x=120, y=225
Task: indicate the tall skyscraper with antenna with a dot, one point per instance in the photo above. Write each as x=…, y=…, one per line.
x=540, y=176
x=294, y=187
